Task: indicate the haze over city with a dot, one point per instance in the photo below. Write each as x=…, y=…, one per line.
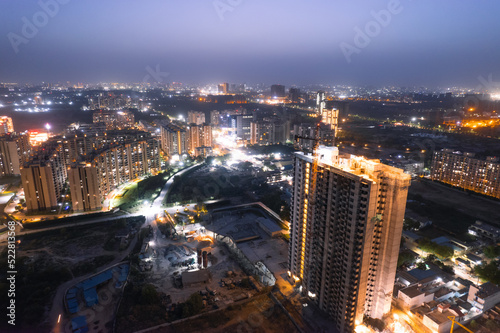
x=426, y=43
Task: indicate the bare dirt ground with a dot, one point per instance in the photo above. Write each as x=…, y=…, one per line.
x=482, y=208
x=260, y=315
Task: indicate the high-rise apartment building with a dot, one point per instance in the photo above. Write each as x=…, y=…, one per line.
x=6, y=125
x=125, y=162
x=308, y=130
x=174, y=140
x=331, y=118
x=84, y=186
x=199, y=136
x=195, y=117
x=43, y=178
x=277, y=90
x=320, y=102
x=270, y=131
x=215, y=118
x=345, y=233
x=294, y=95
x=9, y=157
x=223, y=88
x=464, y=171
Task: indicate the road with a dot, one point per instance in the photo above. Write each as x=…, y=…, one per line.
x=23, y=232
x=156, y=206
x=149, y=212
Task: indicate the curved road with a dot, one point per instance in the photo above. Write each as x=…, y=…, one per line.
x=150, y=214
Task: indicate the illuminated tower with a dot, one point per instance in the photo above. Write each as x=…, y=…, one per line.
x=345, y=237
x=6, y=125
x=320, y=102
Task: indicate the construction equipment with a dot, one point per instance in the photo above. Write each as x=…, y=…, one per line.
x=452, y=318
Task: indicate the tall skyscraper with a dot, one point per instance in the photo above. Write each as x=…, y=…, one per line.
x=331, y=117
x=320, y=102
x=294, y=95
x=6, y=125
x=345, y=233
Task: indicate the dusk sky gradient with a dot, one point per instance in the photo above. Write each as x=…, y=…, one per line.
x=434, y=43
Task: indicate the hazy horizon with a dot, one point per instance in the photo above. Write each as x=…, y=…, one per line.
x=402, y=43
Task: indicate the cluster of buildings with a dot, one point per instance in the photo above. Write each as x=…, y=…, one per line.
x=89, y=160
x=114, y=119
x=195, y=138
x=432, y=297
x=93, y=164
x=345, y=231
x=465, y=171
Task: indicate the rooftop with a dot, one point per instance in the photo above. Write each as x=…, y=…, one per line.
x=486, y=227
x=193, y=277
x=487, y=289
x=413, y=291
x=356, y=165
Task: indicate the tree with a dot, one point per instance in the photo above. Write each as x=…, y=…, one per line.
x=194, y=305
x=405, y=258
x=410, y=224
x=431, y=258
x=492, y=251
x=489, y=272
x=421, y=265
x=149, y=295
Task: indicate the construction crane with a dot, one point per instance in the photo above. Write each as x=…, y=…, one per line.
x=452, y=318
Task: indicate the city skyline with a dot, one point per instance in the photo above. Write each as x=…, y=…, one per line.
x=383, y=42
x=235, y=165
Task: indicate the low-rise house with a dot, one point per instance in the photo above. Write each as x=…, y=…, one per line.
x=417, y=276
x=438, y=321
x=484, y=230
x=414, y=296
x=485, y=296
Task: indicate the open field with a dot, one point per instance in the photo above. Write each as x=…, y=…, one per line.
x=475, y=206
x=47, y=259
x=259, y=314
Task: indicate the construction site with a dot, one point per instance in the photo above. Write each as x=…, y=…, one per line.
x=232, y=245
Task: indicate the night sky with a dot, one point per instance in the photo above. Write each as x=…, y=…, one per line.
x=424, y=42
